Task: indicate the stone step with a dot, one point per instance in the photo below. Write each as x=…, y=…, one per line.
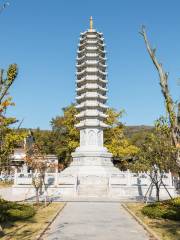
x=89, y=190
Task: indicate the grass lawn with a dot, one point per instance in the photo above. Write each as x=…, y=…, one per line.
x=165, y=229
x=30, y=228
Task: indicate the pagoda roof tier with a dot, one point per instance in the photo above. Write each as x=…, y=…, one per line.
x=102, y=72
x=85, y=117
x=91, y=95
x=101, y=61
x=91, y=55
x=87, y=123
x=91, y=79
x=83, y=100
x=98, y=33
x=91, y=48
x=91, y=113
x=91, y=37
x=91, y=62
x=91, y=32
x=85, y=90
x=91, y=70
x=90, y=76
x=91, y=86
x=91, y=104
x=91, y=41
x=102, y=84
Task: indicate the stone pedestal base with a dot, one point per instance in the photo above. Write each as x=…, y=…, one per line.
x=92, y=171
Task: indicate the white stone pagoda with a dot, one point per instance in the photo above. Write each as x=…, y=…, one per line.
x=91, y=97
x=91, y=161
x=91, y=90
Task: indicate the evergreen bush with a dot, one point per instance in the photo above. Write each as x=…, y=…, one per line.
x=11, y=211
x=169, y=209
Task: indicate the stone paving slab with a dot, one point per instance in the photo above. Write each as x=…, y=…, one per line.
x=95, y=221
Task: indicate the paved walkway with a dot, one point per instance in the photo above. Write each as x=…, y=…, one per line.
x=95, y=221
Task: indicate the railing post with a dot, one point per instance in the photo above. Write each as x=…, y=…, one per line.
x=128, y=178
x=56, y=176
x=109, y=185
x=170, y=178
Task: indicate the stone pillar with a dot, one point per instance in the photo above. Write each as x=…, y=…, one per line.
x=56, y=176
x=128, y=178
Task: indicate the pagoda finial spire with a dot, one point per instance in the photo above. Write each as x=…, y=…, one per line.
x=91, y=23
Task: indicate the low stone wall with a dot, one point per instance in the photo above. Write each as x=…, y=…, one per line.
x=118, y=186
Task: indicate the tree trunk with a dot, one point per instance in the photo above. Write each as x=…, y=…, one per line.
x=37, y=196
x=157, y=192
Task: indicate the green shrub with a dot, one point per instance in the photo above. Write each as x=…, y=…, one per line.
x=152, y=211
x=171, y=214
x=169, y=209
x=21, y=213
x=11, y=211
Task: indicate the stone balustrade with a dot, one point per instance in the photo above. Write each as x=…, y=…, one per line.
x=124, y=184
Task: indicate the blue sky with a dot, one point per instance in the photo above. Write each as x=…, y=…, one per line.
x=41, y=37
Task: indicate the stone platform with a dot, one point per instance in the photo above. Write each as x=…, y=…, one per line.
x=94, y=179
x=92, y=175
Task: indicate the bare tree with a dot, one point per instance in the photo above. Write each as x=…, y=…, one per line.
x=38, y=164
x=163, y=81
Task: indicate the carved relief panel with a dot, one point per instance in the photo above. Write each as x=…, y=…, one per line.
x=92, y=137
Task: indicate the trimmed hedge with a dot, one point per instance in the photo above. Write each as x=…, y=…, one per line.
x=12, y=211
x=169, y=209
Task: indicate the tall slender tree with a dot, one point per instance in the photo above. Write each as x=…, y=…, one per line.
x=169, y=103
x=8, y=136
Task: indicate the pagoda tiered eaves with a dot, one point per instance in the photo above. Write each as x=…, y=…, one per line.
x=91, y=81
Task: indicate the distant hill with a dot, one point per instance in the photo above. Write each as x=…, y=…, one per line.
x=128, y=130
x=133, y=130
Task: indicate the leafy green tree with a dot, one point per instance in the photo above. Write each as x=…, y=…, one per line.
x=157, y=154
x=9, y=138
x=115, y=140
x=45, y=140
x=65, y=136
